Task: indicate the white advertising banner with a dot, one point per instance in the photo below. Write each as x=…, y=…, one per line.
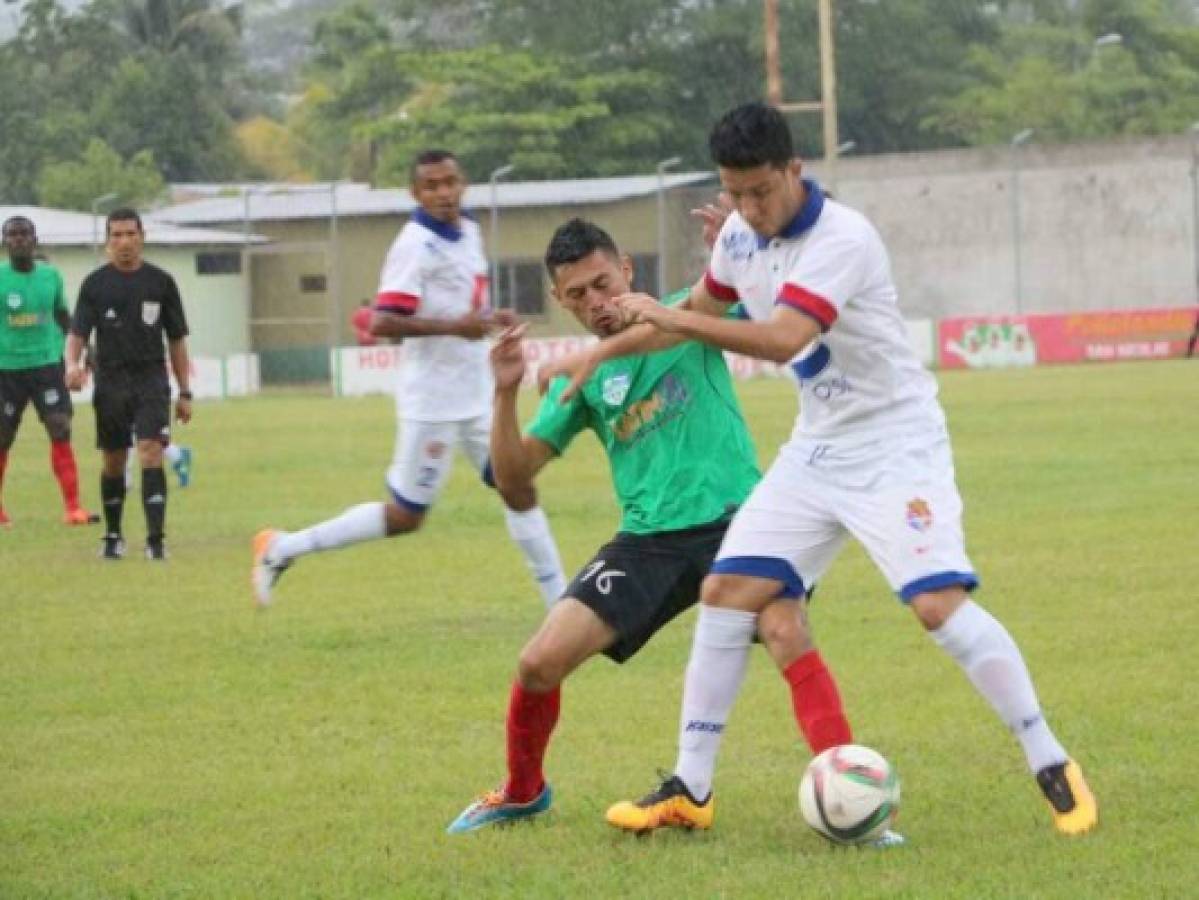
x=374, y=370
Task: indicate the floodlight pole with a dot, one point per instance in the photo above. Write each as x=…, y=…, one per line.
x=1018, y=141
x=493, y=239
x=96, y=204
x=827, y=104
x=661, y=170
x=1195, y=202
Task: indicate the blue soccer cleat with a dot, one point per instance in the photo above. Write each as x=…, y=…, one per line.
x=183, y=466
x=494, y=808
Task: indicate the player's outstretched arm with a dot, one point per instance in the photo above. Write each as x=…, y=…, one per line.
x=778, y=339
x=515, y=458
x=473, y=326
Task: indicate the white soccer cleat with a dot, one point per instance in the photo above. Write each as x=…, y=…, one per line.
x=264, y=573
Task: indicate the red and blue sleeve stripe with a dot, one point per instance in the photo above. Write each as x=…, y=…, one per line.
x=720, y=291
x=809, y=304
x=396, y=303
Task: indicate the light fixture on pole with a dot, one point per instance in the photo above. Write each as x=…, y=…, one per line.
x=661, y=170
x=1018, y=141
x=493, y=180
x=96, y=204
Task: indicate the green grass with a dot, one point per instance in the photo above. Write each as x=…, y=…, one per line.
x=159, y=738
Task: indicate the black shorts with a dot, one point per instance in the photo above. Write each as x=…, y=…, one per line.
x=637, y=583
x=44, y=385
x=132, y=400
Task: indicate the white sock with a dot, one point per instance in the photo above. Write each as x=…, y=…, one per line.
x=171, y=453
x=531, y=531
x=364, y=522
x=719, y=656
x=992, y=662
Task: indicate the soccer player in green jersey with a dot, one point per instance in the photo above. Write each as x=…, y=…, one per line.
x=682, y=462
x=32, y=328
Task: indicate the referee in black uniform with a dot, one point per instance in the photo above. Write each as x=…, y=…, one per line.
x=130, y=304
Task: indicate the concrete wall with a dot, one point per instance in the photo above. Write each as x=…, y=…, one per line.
x=1102, y=226
x=215, y=305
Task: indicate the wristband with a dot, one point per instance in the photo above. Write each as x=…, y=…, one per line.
x=185, y=395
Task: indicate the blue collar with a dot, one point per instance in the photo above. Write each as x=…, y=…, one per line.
x=804, y=219
x=439, y=228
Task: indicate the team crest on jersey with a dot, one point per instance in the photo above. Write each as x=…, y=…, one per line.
x=920, y=515
x=150, y=311
x=14, y=301
x=434, y=449
x=739, y=245
x=616, y=388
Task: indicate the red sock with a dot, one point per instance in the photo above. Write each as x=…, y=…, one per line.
x=817, y=703
x=62, y=461
x=531, y=720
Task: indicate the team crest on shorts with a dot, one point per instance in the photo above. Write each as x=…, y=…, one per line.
x=434, y=449
x=150, y=311
x=51, y=396
x=920, y=515
x=616, y=388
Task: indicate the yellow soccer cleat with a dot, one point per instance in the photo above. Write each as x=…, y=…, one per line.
x=1070, y=799
x=670, y=805
x=265, y=571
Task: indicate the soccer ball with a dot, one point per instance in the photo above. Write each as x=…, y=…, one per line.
x=850, y=794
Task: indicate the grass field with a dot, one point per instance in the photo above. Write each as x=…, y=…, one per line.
x=161, y=738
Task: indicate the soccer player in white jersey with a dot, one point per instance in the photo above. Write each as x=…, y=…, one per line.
x=433, y=294
x=869, y=457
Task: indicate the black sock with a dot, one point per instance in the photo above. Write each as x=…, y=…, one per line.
x=112, y=496
x=154, y=500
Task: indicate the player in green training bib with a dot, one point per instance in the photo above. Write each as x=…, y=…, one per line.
x=681, y=461
x=33, y=323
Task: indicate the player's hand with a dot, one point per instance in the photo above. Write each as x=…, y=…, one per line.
x=76, y=378
x=638, y=308
x=183, y=410
x=504, y=318
x=712, y=215
x=474, y=326
x=508, y=358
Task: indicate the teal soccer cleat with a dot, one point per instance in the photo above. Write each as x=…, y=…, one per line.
x=494, y=808
x=183, y=466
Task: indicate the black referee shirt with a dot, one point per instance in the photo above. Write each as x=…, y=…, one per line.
x=129, y=311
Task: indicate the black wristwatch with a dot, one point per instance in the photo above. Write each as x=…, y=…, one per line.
x=185, y=395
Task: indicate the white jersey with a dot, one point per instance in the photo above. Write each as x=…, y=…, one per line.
x=860, y=379
x=438, y=271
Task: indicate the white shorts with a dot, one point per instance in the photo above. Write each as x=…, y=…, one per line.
x=897, y=497
x=424, y=455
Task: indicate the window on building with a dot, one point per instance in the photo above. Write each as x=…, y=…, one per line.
x=222, y=263
x=520, y=286
x=645, y=273
x=312, y=284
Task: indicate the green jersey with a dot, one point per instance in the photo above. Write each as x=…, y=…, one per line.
x=677, y=445
x=29, y=333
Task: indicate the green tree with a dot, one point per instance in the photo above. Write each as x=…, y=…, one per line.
x=100, y=170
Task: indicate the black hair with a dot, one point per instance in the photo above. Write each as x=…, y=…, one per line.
x=576, y=240
x=123, y=214
x=428, y=158
x=749, y=136
x=12, y=220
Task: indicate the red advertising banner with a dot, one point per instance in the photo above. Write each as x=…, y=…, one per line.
x=990, y=342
